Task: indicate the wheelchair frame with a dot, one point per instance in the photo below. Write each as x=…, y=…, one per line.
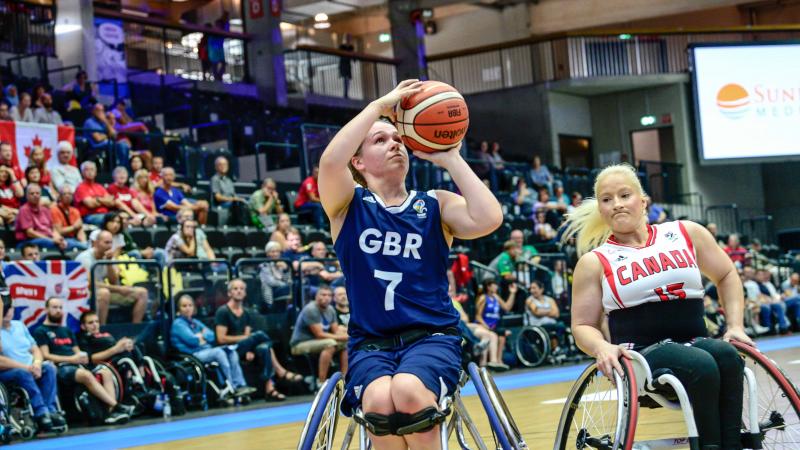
x=328, y=400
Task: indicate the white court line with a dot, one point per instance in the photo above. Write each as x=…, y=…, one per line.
x=796, y=361
x=606, y=396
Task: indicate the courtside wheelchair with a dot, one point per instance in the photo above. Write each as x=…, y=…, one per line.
x=16, y=414
x=599, y=414
x=320, y=426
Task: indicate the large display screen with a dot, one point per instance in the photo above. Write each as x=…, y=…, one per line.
x=747, y=102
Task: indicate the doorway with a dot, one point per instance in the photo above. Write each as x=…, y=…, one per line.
x=576, y=151
x=654, y=156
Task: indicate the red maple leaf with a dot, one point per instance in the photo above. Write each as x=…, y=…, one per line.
x=37, y=142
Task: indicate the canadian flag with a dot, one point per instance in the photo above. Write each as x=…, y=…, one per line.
x=23, y=136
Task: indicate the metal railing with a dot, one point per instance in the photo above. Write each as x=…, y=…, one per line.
x=177, y=264
x=27, y=28
x=277, y=155
x=158, y=301
x=567, y=56
x=759, y=227
x=725, y=216
x=316, y=70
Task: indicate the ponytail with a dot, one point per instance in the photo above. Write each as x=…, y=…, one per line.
x=585, y=222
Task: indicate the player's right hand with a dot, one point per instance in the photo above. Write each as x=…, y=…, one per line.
x=405, y=89
x=608, y=356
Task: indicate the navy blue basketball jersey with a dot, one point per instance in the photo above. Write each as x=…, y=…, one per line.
x=395, y=260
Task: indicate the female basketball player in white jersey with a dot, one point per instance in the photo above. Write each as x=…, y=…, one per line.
x=646, y=279
x=393, y=245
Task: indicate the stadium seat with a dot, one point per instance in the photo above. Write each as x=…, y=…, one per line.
x=142, y=236
x=257, y=239
x=216, y=239
x=161, y=236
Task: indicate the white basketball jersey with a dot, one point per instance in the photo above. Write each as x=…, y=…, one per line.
x=664, y=269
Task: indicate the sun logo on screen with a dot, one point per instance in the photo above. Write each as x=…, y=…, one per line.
x=733, y=101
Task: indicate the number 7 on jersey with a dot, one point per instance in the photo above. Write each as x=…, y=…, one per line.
x=394, y=278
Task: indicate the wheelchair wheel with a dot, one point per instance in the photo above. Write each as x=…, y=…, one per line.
x=599, y=414
x=778, y=401
x=320, y=426
x=500, y=407
x=492, y=413
x=119, y=388
x=532, y=346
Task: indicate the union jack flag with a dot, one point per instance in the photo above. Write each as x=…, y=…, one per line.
x=32, y=283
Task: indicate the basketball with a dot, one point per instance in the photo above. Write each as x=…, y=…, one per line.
x=433, y=120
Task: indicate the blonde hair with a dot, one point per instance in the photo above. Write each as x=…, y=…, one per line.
x=149, y=186
x=585, y=222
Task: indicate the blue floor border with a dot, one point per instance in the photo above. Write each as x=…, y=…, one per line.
x=237, y=421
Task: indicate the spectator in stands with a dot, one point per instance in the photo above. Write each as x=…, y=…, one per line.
x=102, y=345
x=23, y=365
x=59, y=345
x=66, y=218
x=92, y=199
x=322, y=272
x=107, y=282
x=3, y=256
x=295, y=251
x=22, y=112
x=38, y=92
x=30, y=252
x=224, y=194
x=194, y=338
x=10, y=194
x=523, y=197
x=189, y=242
x=790, y=290
x=169, y=199
x=216, y=56
x=64, y=172
x=143, y=189
x=7, y=160
x=264, y=203
x=102, y=135
x=308, y=198
x=542, y=311
x=202, y=55
x=540, y=176
x=136, y=164
x=712, y=228
x=504, y=263
x=80, y=91
x=35, y=224
x=282, y=230
x=559, y=196
x=38, y=159
x=656, y=213
x=542, y=229
x=34, y=176
x=5, y=114
x=771, y=303
x=275, y=276
x=553, y=209
x=124, y=122
x=11, y=95
x=528, y=253
x=234, y=326
x=342, y=306
x=317, y=331
x=46, y=113
x=489, y=308
x=576, y=200
x=736, y=252
x=127, y=200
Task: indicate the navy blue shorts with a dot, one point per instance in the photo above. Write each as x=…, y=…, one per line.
x=436, y=360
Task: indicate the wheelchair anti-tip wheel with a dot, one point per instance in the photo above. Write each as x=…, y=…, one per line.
x=599, y=414
x=778, y=401
x=320, y=426
x=532, y=346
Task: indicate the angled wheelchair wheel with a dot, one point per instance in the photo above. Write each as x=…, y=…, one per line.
x=532, y=346
x=320, y=426
x=778, y=401
x=599, y=414
x=501, y=409
x=492, y=413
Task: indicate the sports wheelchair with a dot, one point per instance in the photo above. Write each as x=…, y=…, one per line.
x=320, y=425
x=599, y=414
x=16, y=414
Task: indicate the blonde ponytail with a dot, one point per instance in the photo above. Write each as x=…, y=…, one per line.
x=585, y=222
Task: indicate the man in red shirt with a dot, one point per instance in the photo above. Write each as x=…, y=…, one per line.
x=35, y=223
x=92, y=199
x=308, y=198
x=738, y=254
x=66, y=218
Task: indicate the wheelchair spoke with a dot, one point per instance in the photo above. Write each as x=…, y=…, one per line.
x=596, y=415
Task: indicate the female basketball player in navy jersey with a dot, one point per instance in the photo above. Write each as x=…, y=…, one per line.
x=646, y=279
x=393, y=245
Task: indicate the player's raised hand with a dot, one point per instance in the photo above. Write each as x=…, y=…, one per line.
x=405, y=89
x=442, y=159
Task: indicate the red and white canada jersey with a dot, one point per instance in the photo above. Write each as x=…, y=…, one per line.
x=664, y=269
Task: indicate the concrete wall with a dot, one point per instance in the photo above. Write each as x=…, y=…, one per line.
x=569, y=115
x=483, y=26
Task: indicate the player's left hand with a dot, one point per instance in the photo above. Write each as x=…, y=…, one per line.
x=442, y=159
x=738, y=334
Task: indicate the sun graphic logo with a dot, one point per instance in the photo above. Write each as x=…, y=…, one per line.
x=733, y=101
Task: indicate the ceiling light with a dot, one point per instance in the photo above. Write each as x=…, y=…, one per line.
x=64, y=28
x=321, y=17
x=286, y=26
x=322, y=25
x=236, y=21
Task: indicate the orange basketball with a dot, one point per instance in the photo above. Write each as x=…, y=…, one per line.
x=433, y=120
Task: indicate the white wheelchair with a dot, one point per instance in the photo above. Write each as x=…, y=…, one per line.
x=599, y=414
x=319, y=429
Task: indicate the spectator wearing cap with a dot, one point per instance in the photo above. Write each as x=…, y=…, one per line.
x=66, y=218
x=64, y=172
x=92, y=198
x=35, y=224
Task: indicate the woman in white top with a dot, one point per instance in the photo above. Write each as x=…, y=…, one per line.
x=647, y=280
x=23, y=111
